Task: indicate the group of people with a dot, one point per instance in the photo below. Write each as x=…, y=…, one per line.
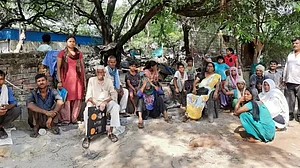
x=266, y=106
x=261, y=107
x=49, y=107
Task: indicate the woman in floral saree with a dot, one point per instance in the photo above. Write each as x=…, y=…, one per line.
x=205, y=94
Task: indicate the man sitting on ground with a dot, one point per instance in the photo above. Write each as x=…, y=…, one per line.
x=113, y=74
x=43, y=104
x=101, y=93
x=8, y=110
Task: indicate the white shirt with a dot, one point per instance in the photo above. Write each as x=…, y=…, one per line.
x=100, y=91
x=291, y=73
x=180, y=79
x=44, y=47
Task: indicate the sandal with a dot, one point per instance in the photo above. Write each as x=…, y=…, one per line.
x=3, y=134
x=140, y=125
x=168, y=120
x=86, y=143
x=113, y=137
x=34, y=134
x=55, y=130
x=184, y=118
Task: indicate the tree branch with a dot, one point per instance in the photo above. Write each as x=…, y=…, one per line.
x=135, y=19
x=120, y=27
x=142, y=23
x=98, y=6
x=21, y=18
x=20, y=9
x=194, y=9
x=110, y=10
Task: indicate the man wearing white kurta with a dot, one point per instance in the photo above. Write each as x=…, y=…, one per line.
x=101, y=93
x=113, y=74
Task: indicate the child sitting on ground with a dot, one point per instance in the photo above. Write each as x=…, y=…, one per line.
x=132, y=83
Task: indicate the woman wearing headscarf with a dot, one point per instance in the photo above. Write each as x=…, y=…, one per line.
x=255, y=118
x=71, y=76
x=230, y=84
x=238, y=92
x=231, y=80
x=276, y=103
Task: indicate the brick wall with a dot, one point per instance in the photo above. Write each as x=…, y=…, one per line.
x=21, y=69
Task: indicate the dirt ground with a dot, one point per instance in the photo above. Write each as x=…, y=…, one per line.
x=159, y=144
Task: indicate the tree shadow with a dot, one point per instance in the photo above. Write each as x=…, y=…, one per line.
x=193, y=144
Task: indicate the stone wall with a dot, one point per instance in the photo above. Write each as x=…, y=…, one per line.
x=21, y=70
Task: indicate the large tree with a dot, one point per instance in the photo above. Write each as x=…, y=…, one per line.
x=66, y=15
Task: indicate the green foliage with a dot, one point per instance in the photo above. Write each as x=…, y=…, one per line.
x=164, y=28
x=273, y=22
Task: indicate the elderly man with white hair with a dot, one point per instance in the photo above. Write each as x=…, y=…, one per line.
x=102, y=94
x=256, y=80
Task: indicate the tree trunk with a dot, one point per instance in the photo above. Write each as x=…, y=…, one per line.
x=258, y=47
x=116, y=48
x=186, y=29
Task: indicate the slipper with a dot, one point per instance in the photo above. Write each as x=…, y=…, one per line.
x=168, y=120
x=34, y=134
x=3, y=134
x=227, y=111
x=184, y=118
x=140, y=125
x=55, y=130
x=86, y=143
x=281, y=129
x=63, y=124
x=113, y=137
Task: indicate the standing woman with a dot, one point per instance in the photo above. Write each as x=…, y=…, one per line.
x=71, y=76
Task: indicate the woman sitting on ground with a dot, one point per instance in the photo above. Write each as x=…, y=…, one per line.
x=255, y=118
x=205, y=91
x=231, y=80
x=150, y=103
x=276, y=103
x=230, y=85
x=237, y=92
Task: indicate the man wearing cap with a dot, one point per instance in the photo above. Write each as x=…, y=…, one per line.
x=257, y=79
x=102, y=94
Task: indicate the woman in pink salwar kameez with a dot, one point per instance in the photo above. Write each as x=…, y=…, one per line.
x=71, y=76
